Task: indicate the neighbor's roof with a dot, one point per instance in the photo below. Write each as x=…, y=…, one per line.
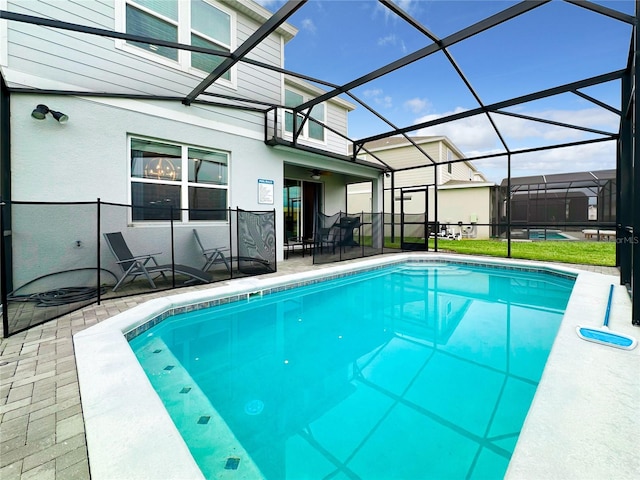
x=465, y=183
x=399, y=141
x=563, y=180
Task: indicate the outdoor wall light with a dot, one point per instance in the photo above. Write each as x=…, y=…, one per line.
x=40, y=112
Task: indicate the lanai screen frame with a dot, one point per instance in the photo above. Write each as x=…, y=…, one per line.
x=628, y=156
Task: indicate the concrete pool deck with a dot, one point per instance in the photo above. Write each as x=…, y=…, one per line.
x=582, y=427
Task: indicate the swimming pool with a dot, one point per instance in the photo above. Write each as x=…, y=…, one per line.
x=130, y=434
x=417, y=370
x=547, y=234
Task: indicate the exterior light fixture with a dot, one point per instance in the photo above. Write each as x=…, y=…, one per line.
x=40, y=112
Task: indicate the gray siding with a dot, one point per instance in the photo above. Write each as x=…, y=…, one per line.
x=94, y=63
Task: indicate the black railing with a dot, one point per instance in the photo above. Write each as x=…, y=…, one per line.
x=60, y=257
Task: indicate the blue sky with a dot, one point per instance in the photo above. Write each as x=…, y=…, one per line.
x=558, y=43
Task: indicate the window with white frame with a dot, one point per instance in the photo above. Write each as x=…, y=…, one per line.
x=449, y=159
x=167, y=178
x=202, y=23
x=311, y=129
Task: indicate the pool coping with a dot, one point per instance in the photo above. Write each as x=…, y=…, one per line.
x=130, y=434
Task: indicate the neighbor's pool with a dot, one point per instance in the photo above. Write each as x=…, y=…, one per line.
x=407, y=371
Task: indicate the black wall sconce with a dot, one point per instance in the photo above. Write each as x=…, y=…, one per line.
x=40, y=112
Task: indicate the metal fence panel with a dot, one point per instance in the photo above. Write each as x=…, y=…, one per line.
x=53, y=268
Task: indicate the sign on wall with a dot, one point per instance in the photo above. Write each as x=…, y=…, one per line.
x=265, y=191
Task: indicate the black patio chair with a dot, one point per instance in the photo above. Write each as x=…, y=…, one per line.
x=146, y=265
x=211, y=255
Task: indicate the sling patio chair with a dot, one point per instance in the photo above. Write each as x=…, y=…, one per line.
x=211, y=255
x=136, y=265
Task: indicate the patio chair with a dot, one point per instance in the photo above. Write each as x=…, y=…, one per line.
x=211, y=255
x=136, y=265
x=339, y=234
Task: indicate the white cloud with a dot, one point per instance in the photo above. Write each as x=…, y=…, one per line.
x=417, y=105
x=385, y=101
x=475, y=136
x=476, y=133
x=388, y=40
x=372, y=92
x=392, y=40
x=308, y=25
x=409, y=6
x=378, y=97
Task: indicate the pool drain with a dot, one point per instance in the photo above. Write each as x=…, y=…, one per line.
x=254, y=407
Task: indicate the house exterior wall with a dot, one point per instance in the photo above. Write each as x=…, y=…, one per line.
x=89, y=158
x=90, y=152
x=465, y=205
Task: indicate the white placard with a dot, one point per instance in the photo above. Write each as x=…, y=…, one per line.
x=265, y=191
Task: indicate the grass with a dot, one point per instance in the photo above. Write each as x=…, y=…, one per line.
x=585, y=253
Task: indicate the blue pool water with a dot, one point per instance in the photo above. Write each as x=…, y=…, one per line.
x=548, y=235
x=406, y=372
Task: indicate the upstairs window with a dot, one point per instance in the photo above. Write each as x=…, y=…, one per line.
x=157, y=19
x=311, y=129
x=210, y=28
x=202, y=23
x=166, y=175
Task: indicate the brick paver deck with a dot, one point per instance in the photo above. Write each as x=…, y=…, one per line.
x=41, y=425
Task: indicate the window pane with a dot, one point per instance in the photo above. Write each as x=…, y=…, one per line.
x=152, y=201
x=141, y=23
x=207, y=204
x=159, y=161
x=168, y=8
x=316, y=131
x=204, y=61
x=292, y=99
x=288, y=121
x=207, y=167
x=210, y=21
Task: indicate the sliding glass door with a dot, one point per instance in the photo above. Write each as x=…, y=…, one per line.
x=301, y=202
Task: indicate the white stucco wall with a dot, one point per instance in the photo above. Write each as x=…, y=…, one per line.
x=88, y=158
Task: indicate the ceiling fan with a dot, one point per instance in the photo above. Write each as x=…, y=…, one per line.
x=316, y=174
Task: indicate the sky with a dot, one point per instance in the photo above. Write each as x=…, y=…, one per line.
x=339, y=41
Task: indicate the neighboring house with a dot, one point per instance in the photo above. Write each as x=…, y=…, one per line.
x=130, y=139
x=464, y=194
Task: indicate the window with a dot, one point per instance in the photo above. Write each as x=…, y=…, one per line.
x=449, y=158
x=201, y=23
x=311, y=129
x=166, y=178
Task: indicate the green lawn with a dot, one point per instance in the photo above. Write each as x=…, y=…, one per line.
x=586, y=253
